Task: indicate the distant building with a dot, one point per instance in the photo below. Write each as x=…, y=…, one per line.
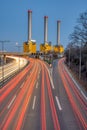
x=29, y=47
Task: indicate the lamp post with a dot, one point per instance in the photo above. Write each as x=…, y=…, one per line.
x=18, y=46
x=2, y=60
x=80, y=60
x=69, y=57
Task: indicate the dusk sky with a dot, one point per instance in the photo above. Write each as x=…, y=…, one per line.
x=14, y=20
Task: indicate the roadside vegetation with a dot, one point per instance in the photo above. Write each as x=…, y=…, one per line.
x=76, y=51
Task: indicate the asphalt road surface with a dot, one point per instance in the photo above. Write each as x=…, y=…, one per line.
x=43, y=98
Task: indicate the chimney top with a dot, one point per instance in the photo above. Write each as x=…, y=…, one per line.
x=58, y=21
x=45, y=16
x=29, y=11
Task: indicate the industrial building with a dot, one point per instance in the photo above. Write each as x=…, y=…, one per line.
x=30, y=45
x=58, y=48
x=46, y=46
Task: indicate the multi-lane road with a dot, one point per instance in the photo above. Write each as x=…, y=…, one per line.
x=7, y=70
x=43, y=98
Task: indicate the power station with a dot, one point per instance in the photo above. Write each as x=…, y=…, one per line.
x=45, y=47
x=58, y=48
x=30, y=45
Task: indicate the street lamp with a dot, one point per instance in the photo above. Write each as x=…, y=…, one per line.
x=18, y=46
x=69, y=57
x=2, y=60
x=80, y=60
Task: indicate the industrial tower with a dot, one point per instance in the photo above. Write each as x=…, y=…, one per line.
x=30, y=45
x=58, y=48
x=45, y=47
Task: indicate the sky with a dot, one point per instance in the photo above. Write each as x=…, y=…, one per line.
x=14, y=20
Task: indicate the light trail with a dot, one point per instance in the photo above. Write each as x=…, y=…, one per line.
x=43, y=111
x=27, y=99
x=52, y=105
x=50, y=76
x=78, y=87
x=13, y=67
x=17, y=104
x=66, y=81
x=4, y=92
x=4, y=89
x=76, y=92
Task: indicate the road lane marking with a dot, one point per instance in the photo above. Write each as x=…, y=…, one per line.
x=38, y=76
x=51, y=71
x=51, y=80
x=22, y=85
x=34, y=100
x=37, y=85
x=58, y=103
x=52, y=84
x=39, y=72
x=11, y=102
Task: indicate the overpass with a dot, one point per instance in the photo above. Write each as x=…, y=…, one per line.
x=15, y=53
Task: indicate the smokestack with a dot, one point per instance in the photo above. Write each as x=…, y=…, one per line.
x=29, y=24
x=58, y=32
x=45, y=29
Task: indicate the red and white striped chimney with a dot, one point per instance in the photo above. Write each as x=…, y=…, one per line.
x=45, y=29
x=58, y=32
x=29, y=24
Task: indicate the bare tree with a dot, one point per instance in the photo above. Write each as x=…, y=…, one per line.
x=79, y=35
x=77, y=47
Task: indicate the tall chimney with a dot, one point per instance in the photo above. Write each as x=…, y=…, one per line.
x=45, y=29
x=58, y=32
x=29, y=24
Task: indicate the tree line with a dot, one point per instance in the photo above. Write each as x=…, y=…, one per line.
x=76, y=51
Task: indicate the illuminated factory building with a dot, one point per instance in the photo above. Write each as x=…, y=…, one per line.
x=45, y=47
x=58, y=48
x=30, y=45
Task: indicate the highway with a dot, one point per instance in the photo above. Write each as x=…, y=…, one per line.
x=7, y=70
x=43, y=98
